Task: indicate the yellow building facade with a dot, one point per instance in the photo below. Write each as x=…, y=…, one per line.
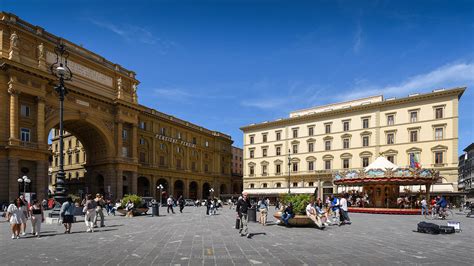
x=302, y=151
x=129, y=148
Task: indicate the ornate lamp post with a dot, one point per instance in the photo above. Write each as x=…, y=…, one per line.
x=289, y=170
x=25, y=180
x=160, y=187
x=63, y=73
x=212, y=193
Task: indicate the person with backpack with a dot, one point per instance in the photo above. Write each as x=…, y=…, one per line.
x=263, y=209
x=242, y=207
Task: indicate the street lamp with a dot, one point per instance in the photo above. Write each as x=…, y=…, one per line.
x=289, y=170
x=160, y=187
x=61, y=70
x=212, y=193
x=25, y=180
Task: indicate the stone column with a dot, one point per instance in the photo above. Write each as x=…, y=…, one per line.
x=428, y=192
x=14, y=130
x=134, y=182
x=134, y=142
x=41, y=180
x=119, y=186
x=119, y=139
x=40, y=121
x=13, y=175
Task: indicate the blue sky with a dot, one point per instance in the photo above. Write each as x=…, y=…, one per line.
x=225, y=64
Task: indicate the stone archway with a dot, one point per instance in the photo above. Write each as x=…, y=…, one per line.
x=193, y=190
x=178, y=189
x=98, y=145
x=143, y=186
x=205, y=190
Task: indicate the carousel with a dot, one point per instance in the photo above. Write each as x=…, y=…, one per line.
x=379, y=185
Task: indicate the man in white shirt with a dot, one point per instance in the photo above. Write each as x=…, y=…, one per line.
x=424, y=206
x=312, y=214
x=344, y=209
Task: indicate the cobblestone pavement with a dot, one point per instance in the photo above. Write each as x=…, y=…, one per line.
x=192, y=238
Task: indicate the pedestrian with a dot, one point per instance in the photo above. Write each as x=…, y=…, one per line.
x=277, y=205
x=344, y=210
x=129, y=208
x=208, y=205
x=263, y=209
x=90, y=213
x=170, y=203
x=287, y=214
x=24, y=207
x=15, y=216
x=181, y=203
x=67, y=214
x=424, y=206
x=99, y=200
x=242, y=207
x=335, y=207
x=313, y=214
x=37, y=217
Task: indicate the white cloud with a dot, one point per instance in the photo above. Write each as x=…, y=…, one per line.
x=357, y=39
x=447, y=76
x=134, y=33
x=172, y=93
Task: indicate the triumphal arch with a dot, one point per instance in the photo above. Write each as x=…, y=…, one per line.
x=130, y=148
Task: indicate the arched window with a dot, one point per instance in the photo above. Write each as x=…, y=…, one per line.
x=252, y=185
x=278, y=185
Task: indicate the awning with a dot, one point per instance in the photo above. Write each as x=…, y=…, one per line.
x=277, y=191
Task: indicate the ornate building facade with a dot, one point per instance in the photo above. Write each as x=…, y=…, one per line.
x=129, y=147
x=301, y=152
x=466, y=171
x=237, y=170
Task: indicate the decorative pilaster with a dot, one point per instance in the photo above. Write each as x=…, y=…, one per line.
x=119, y=138
x=134, y=182
x=13, y=174
x=119, y=187
x=40, y=120
x=41, y=179
x=14, y=130
x=134, y=142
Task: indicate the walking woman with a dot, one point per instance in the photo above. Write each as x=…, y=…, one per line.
x=67, y=213
x=24, y=208
x=37, y=217
x=15, y=215
x=89, y=209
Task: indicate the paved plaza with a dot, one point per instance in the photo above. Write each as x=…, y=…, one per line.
x=192, y=238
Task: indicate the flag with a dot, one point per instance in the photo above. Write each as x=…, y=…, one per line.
x=414, y=161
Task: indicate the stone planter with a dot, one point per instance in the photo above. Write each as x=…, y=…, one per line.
x=136, y=211
x=298, y=220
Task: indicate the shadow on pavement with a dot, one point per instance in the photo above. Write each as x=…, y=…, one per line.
x=255, y=234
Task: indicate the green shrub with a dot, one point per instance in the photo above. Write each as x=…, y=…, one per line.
x=299, y=201
x=137, y=200
x=75, y=198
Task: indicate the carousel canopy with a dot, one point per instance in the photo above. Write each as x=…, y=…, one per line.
x=385, y=172
x=381, y=163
